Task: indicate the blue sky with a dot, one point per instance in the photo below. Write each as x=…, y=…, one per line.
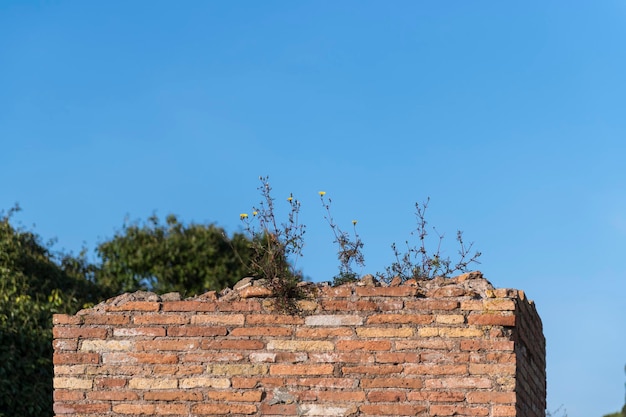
x=509, y=116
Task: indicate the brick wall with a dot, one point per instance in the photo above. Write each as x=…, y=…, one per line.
x=432, y=348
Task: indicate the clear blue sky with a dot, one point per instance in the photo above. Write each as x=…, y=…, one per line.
x=510, y=116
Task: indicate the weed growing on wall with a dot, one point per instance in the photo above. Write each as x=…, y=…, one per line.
x=276, y=247
x=419, y=263
x=350, y=248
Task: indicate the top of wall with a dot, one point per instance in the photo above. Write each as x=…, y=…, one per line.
x=467, y=286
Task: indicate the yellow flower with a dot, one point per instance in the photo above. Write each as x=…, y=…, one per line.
x=322, y=193
x=243, y=216
x=289, y=198
x=354, y=222
x=254, y=213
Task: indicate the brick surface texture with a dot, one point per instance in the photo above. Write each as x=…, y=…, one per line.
x=453, y=347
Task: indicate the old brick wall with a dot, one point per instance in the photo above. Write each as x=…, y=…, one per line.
x=429, y=348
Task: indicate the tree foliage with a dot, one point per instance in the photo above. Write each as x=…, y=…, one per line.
x=34, y=284
x=171, y=256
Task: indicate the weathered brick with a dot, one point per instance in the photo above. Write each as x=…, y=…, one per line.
x=284, y=369
x=327, y=410
x=484, y=397
x=491, y=369
x=135, y=306
x=75, y=358
x=106, y=345
x=477, y=345
x=223, y=409
x=193, y=331
x=449, y=332
x=136, y=409
x=459, y=382
x=148, y=319
x=386, y=396
x=112, y=395
x=300, y=345
x=393, y=409
x=58, y=319
x=492, y=319
x=68, y=395
x=488, y=304
x=404, y=382
x=436, y=396
x=237, y=369
x=451, y=410
x=273, y=319
x=223, y=319
x=246, y=382
x=403, y=291
x=188, y=305
x=139, y=332
x=152, y=383
x=430, y=305
x=245, y=396
x=173, y=395
x=167, y=345
x=79, y=332
x=450, y=318
x=107, y=319
x=343, y=383
x=435, y=369
x=503, y=411
x=261, y=331
x=372, y=369
x=369, y=345
x=64, y=408
x=232, y=344
x=323, y=332
x=72, y=383
x=334, y=320
x=400, y=319
x=240, y=306
x=209, y=357
x=204, y=382
x=375, y=332
x=171, y=409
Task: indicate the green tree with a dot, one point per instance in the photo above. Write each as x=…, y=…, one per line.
x=34, y=284
x=171, y=256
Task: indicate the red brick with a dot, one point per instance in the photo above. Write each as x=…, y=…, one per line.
x=393, y=409
x=393, y=357
x=403, y=382
x=159, y=395
x=110, y=382
x=253, y=382
x=436, y=396
x=170, y=409
x=110, y=319
x=261, y=331
x=400, y=319
x=491, y=320
x=209, y=357
x=68, y=395
x=459, y=382
x=232, y=344
x=429, y=305
x=387, y=396
x=503, y=411
x=112, y=395
x=323, y=333
x=372, y=369
x=435, y=369
x=72, y=358
x=451, y=410
x=273, y=319
x=339, y=396
x=344, y=382
x=202, y=331
x=278, y=409
x=483, y=397
x=79, y=332
x=72, y=408
x=223, y=409
x=336, y=292
x=135, y=306
x=66, y=319
x=476, y=345
x=193, y=306
x=239, y=306
x=342, y=357
x=136, y=409
x=148, y=319
x=245, y=396
x=386, y=291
